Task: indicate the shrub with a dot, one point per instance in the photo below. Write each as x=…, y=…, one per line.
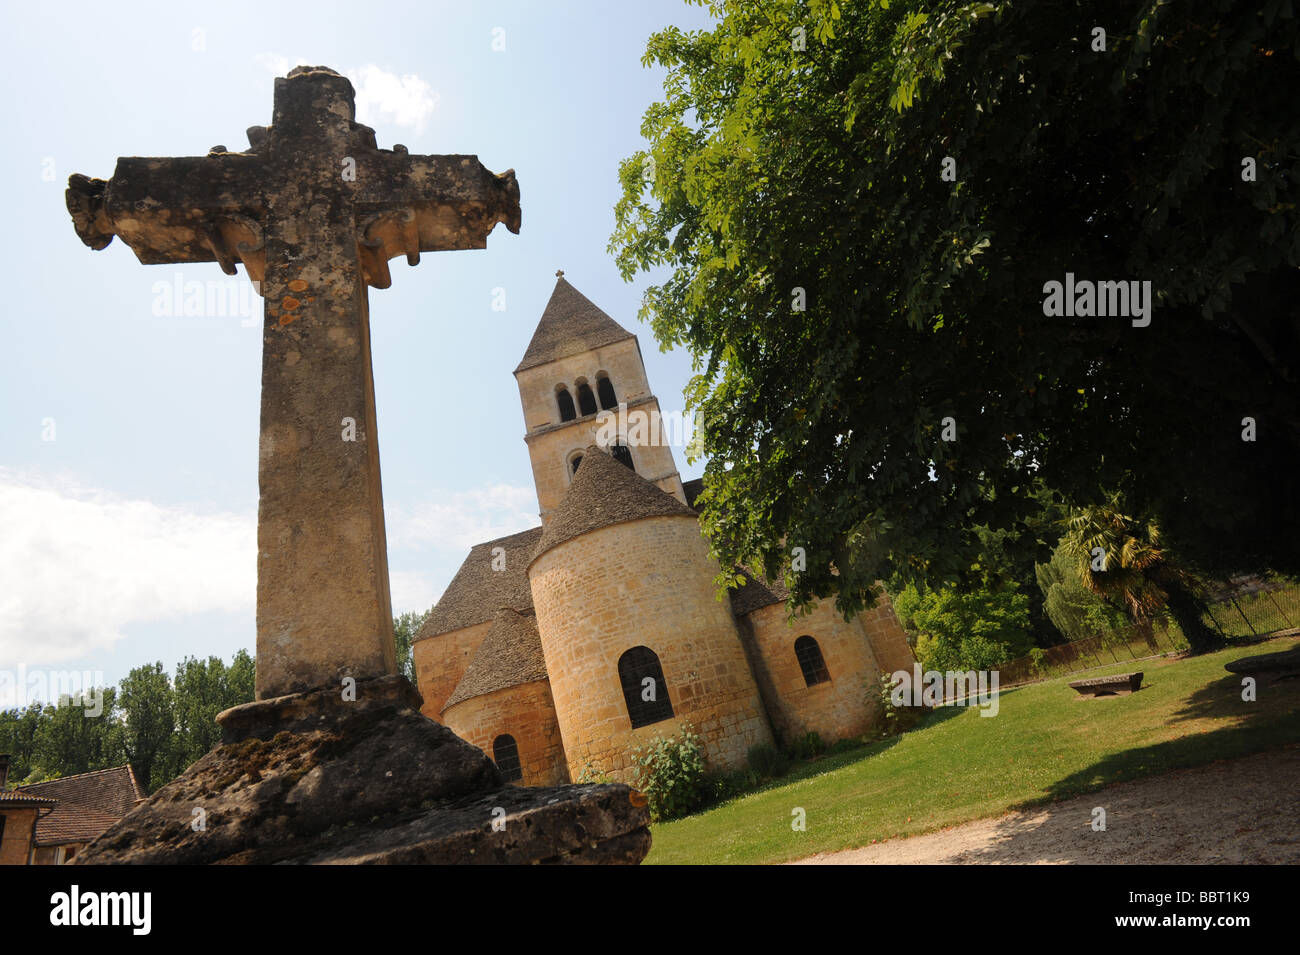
x=670, y=772
x=720, y=787
x=895, y=719
x=768, y=761
x=974, y=629
x=591, y=775
x=807, y=746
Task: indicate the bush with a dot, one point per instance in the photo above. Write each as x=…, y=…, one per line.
x=895, y=719
x=768, y=761
x=972, y=630
x=670, y=772
x=592, y=775
x=719, y=787
x=807, y=746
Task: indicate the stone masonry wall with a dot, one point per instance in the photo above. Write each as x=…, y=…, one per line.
x=643, y=583
x=842, y=707
x=527, y=713
x=17, y=835
x=888, y=638
x=551, y=446
x=441, y=661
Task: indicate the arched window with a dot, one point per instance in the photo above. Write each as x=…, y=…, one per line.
x=605, y=391
x=505, y=753
x=565, y=401
x=644, y=689
x=586, y=400
x=622, y=455
x=809, y=655
x=577, y=460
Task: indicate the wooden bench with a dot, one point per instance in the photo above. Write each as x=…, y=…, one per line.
x=1120, y=684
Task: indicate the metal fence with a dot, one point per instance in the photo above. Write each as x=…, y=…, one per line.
x=1244, y=607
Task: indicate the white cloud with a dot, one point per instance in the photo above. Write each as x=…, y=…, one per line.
x=411, y=590
x=383, y=98
x=80, y=564
x=404, y=101
x=458, y=520
x=278, y=65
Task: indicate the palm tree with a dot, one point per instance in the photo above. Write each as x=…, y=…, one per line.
x=1123, y=560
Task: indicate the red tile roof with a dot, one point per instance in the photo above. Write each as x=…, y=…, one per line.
x=22, y=799
x=85, y=805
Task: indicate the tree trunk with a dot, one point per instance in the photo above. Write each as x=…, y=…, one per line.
x=1185, y=607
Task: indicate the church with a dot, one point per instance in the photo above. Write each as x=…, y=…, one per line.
x=561, y=649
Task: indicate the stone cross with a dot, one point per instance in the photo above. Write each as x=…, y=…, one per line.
x=314, y=210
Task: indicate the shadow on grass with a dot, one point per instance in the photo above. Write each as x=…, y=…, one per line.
x=1273, y=721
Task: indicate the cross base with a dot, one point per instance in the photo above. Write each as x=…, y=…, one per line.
x=296, y=778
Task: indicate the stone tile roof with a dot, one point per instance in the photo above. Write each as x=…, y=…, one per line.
x=477, y=591
x=510, y=655
x=755, y=593
x=693, y=488
x=603, y=493
x=86, y=804
x=571, y=324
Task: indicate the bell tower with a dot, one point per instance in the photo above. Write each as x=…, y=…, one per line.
x=582, y=381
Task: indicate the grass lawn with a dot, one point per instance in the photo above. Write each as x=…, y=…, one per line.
x=1046, y=743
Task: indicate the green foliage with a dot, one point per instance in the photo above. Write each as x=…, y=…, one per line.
x=148, y=724
x=776, y=169
x=405, y=627
x=590, y=774
x=1074, y=609
x=894, y=719
x=1123, y=557
x=670, y=771
x=719, y=787
x=975, y=630
x=807, y=746
x=202, y=689
x=768, y=761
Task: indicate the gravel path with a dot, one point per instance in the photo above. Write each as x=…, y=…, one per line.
x=1233, y=811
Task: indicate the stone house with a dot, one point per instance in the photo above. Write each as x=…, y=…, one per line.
x=560, y=649
x=49, y=823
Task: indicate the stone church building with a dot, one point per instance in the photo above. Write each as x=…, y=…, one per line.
x=560, y=649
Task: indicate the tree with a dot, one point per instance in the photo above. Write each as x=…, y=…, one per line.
x=77, y=735
x=1123, y=559
x=148, y=725
x=20, y=731
x=876, y=374
x=1076, y=611
x=405, y=628
x=202, y=690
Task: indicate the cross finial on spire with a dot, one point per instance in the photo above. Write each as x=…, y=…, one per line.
x=559, y=273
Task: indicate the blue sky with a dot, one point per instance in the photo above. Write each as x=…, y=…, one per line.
x=128, y=439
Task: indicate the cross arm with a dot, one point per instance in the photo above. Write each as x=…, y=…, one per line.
x=412, y=204
x=190, y=209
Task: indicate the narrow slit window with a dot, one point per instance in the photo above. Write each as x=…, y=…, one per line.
x=565, y=401
x=505, y=753
x=605, y=392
